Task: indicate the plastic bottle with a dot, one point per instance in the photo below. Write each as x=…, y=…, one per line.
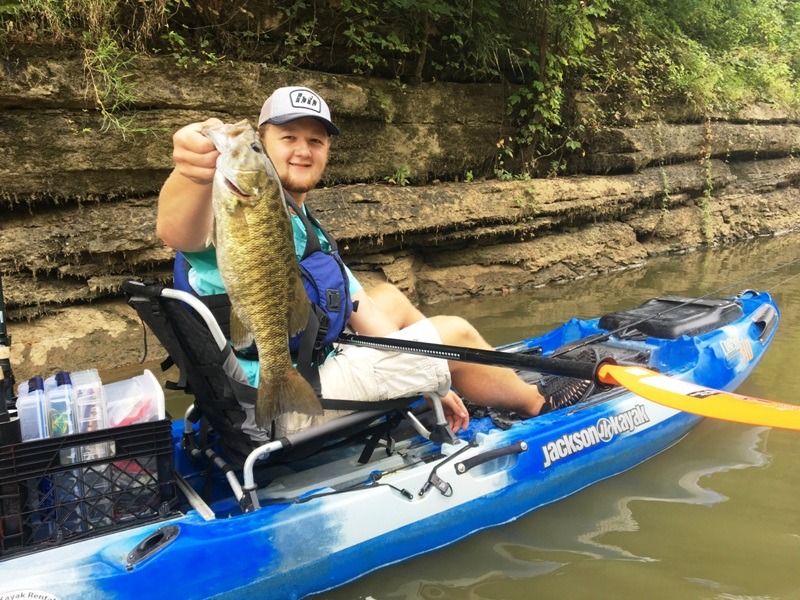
x=89, y=407
x=67, y=486
x=89, y=413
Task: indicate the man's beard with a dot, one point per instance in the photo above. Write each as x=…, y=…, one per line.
x=290, y=184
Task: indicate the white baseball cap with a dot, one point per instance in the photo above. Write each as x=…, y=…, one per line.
x=290, y=103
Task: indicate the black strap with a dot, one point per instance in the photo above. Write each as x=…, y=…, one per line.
x=359, y=405
x=312, y=353
x=382, y=429
x=150, y=310
x=310, y=222
x=202, y=437
x=369, y=447
x=309, y=355
x=247, y=394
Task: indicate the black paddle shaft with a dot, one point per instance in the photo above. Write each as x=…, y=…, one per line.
x=494, y=358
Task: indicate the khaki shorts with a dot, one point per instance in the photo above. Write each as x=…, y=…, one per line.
x=357, y=373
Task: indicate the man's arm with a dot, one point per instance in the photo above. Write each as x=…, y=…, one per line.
x=184, y=204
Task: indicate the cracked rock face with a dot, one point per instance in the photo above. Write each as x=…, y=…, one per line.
x=79, y=202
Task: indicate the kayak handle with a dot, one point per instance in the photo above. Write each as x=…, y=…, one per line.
x=155, y=542
x=464, y=466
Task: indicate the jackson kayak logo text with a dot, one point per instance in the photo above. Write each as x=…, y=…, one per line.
x=735, y=345
x=602, y=431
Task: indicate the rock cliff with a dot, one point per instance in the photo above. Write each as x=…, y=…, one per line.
x=79, y=197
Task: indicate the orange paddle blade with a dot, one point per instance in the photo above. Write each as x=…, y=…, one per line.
x=699, y=400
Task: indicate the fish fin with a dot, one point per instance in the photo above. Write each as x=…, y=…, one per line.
x=288, y=392
x=299, y=308
x=240, y=335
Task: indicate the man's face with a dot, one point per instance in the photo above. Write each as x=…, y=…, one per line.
x=299, y=150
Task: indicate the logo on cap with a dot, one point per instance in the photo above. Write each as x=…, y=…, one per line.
x=306, y=99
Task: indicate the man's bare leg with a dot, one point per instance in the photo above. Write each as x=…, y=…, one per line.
x=395, y=305
x=500, y=387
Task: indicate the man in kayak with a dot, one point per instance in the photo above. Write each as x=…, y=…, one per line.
x=297, y=138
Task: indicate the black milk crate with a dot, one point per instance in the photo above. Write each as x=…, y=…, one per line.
x=62, y=489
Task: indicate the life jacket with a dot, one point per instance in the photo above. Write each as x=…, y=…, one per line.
x=327, y=285
x=328, y=288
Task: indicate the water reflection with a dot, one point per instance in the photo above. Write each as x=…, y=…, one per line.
x=684, y=482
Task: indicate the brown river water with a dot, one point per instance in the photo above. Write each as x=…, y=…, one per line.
x=714, y=517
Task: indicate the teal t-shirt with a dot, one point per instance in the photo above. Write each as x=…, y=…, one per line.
x=205, y=278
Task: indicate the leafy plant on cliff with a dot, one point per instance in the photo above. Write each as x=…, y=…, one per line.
x=108, y=73
x=401, y=177
x=565, y=31
x=92, y=26
x=632, y=53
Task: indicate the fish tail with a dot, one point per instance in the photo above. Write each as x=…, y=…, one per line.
x=288, y=392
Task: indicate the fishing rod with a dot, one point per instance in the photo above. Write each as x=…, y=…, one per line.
x=642, y=381
x=493, y=358
x=550, y=364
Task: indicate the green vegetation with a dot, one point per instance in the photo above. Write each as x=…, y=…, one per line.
x=528, y=205
x=632, y=54
x=107, y=71
x=401, y=177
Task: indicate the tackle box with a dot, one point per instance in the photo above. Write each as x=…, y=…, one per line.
x=56, y=490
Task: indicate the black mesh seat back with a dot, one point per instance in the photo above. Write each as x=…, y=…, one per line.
x=213, y=375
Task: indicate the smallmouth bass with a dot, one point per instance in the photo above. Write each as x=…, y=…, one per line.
x=252, y=233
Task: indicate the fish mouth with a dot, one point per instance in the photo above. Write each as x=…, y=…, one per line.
x=236, y=190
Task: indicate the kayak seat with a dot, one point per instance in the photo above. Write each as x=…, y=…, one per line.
x=670, y=317
x=223, y=412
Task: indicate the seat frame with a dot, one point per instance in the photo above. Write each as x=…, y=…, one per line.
x=365, y=413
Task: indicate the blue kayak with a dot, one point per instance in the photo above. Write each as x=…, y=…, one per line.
x=288, y=529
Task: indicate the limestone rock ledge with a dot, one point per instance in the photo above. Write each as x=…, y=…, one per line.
x=434, y=242
x=79, y=201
